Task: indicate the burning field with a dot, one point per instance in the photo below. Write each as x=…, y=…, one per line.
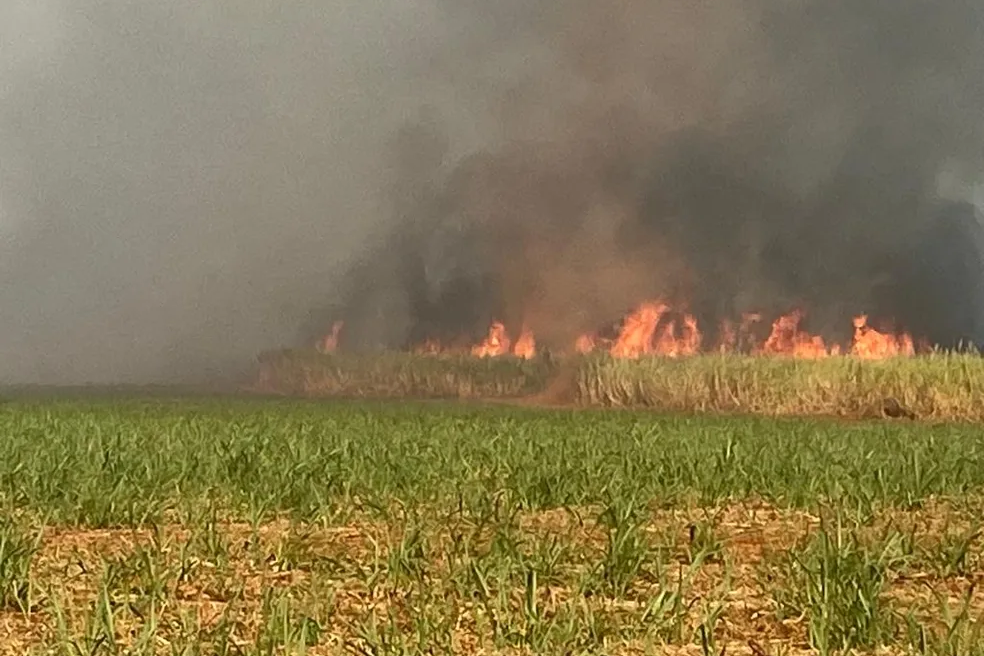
x=547, y=330
x=704, y=214
x=651, y=329
x=659, y=359
x=914, y=357
x=689, y=233
x=692, y=348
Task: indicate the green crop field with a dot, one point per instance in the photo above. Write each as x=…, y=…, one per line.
x=167, y=525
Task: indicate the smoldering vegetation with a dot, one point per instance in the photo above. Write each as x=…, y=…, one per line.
x=729, y=156
x=186, y=185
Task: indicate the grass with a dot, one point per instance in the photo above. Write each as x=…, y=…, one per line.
x=110, y=463
x=164, y=525
x=941, y=386
x=839, y=583
x=17, y=548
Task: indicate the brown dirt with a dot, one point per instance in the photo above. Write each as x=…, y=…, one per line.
x=304, y=559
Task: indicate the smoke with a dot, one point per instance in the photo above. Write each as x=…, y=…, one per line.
x=183, y=185
x=730, y=156
x=181, y=182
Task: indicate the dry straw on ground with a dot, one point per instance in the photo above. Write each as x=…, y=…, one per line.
x=734, y=579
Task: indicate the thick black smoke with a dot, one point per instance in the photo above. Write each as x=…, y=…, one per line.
x=730, y=156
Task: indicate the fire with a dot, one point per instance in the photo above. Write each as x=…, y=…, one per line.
x=329, y=343
x=636, y=337
x=787, y=339
x=646, y=331
x=688, y=343
x=692, y=338
x=526, y=344
x=497, y=343
x=870, y=344
x=653, y=328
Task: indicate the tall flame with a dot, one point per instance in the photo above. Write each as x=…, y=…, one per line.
x=526, y=344
x=636, y=338
x=668, y=344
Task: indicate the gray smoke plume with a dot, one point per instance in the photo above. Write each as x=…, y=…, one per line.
x=181, y=184
x=730, y=156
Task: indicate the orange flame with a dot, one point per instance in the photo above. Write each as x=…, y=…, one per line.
x=668, y=344
x=526, y=344
x=497, y=343
x=869, y=344
x=636, y=337
x=787, y=339
x=645, y=331
x=690, y=342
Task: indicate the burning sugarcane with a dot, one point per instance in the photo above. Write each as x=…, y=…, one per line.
x=651, y=329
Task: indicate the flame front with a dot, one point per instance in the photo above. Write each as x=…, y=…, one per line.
x=654, y=329
x=688, y=343
x=647, y=331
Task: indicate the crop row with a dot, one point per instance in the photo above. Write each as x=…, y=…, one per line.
x=160, y=525
x=622, y=578
x=109, y=463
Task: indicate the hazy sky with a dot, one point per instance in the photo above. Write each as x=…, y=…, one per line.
x=181, y=182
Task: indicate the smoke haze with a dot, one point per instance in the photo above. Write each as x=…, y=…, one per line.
x=184, y=185
x=730, y=156
x=181, y=181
